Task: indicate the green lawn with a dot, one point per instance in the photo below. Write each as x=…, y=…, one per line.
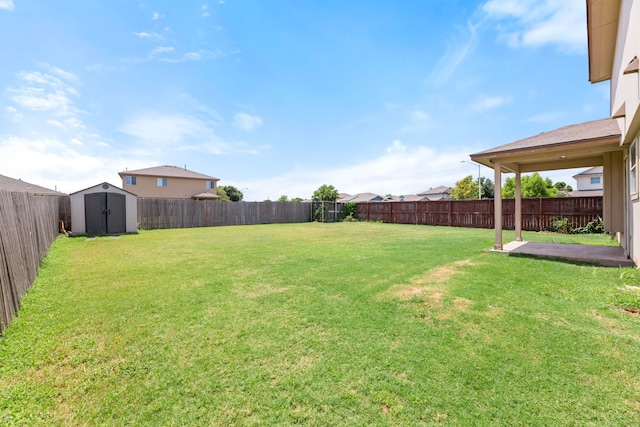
x=320, y=324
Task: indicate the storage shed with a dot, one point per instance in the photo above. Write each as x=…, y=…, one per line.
x=104, y=209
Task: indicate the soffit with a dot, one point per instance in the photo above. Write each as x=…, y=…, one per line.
x=602, y=30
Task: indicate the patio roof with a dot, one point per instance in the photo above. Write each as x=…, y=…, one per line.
x=573, y=146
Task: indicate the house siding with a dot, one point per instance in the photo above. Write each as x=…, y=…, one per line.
x=625, y=91
x=177, y=188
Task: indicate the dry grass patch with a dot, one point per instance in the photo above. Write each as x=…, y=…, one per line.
x=260, y=290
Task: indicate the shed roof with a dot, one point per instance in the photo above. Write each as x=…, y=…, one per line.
x=111, y=186
x=167, y=171
x=573, y=146
x=20, y=186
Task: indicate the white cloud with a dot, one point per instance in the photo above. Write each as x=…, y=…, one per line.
x=246, y=121
x=52, y=163
x=397, y=146
x=6, y=4
x=179, y=132
x=421, y=116
x=487, y=102
x=150, y=36
x=204, y=8
x=155, y=16
x=44, y=92
x=399, y=170
x=11, y=109
x=456, y=52
x=163, y=49
x=534, y=23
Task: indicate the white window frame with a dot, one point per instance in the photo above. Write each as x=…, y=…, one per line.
x=633, y=170
x=211, y=185
x=130, y=180
x=162, y=182
x=595, y=180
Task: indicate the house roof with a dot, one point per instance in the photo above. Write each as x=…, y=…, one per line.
x=586, y=193
x=20, y=186
x=405, y=198
x=168, y=172
x=437, y=190
x=361, y=197
x=573, y=146
x=205, y=196
x=596, y=170
x=602, y=29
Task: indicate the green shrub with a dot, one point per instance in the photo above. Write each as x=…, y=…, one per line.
x=562, y=226
x=348, y=211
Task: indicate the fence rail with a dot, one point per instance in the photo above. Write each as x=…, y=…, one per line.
x=537, y=214
x=28, y=226
x=184, y=213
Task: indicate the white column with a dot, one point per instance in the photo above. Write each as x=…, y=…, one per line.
x=497, y=204
x=518, y=215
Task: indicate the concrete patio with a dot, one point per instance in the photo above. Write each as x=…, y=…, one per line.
x=606, y=256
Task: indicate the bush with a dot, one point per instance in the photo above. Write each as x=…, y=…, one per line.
x=595, y=226
x=349, y=211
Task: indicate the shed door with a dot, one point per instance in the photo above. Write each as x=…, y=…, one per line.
x=105, y=213
x=95, y=208
x=116, y=213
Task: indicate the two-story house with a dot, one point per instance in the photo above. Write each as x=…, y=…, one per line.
x=589, y=182
x=170, y=182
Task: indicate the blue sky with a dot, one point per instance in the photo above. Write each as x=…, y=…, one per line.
x=278, y=97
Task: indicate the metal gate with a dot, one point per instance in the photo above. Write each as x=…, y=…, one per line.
x=105, y=213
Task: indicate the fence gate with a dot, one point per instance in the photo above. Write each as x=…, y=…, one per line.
x=105, y=213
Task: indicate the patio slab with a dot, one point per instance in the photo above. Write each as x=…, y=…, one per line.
x=607, y=256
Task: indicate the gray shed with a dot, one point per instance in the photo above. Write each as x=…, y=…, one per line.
x=104, y=209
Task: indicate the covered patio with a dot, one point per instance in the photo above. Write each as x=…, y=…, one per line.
x=594, y=143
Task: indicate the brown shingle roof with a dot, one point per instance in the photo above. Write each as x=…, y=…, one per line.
x=438, y=190
x=18, y=185
x=168, y=172
x=588, y=131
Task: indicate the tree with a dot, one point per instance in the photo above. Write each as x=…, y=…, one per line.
x=563, y=189
x=283, y=198
x=223, y=194
x=486, y=188
x=531, y=186
x=325, y=193
x=232, y=192
x=465, y=189
x=296, y=200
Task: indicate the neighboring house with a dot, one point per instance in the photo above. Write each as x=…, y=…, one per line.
x=589, y=183
x=20, y=186
x=361, y=197
x=613, y=29
x=170, y=182
x=438, y=193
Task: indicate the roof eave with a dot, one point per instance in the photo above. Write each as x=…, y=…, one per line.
x=602, y=29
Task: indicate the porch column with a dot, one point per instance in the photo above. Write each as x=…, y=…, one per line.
x=497, y=204
x=518, y=217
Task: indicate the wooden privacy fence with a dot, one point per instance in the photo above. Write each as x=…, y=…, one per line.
x=186, y=213
x=28, y=226
x=537, y=213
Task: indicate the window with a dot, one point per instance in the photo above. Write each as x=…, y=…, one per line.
x=211, y=185
x=162, y=182
x=129, y=180
x=633, y=186
x=595, y=180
